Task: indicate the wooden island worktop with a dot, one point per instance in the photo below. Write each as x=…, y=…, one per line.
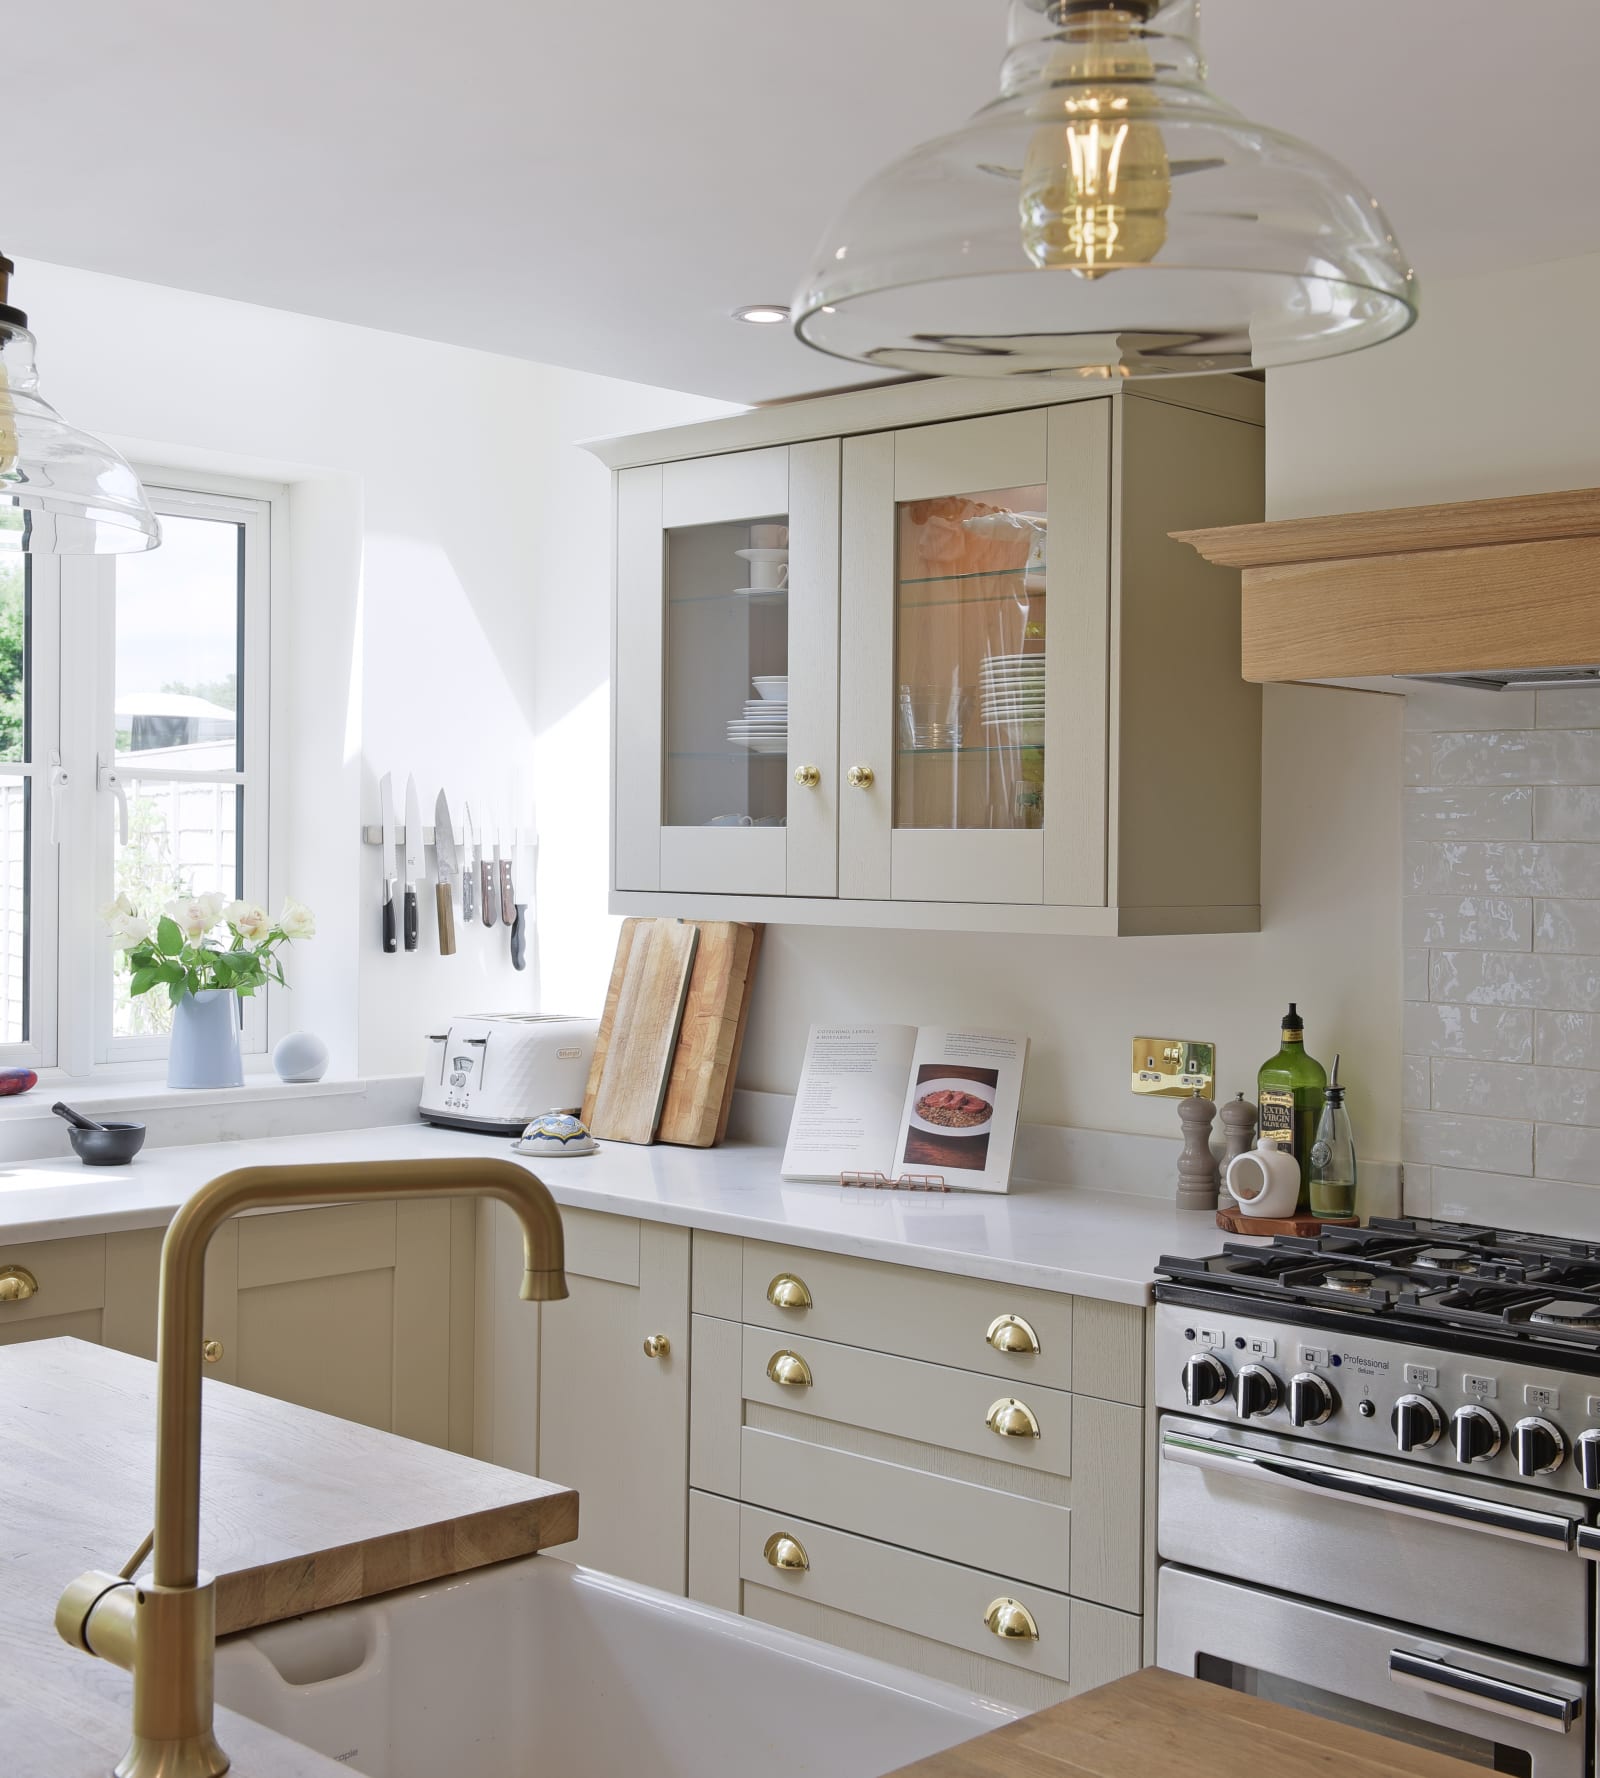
x=298, y=1510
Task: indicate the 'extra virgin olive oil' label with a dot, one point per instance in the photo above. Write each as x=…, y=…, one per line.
x=1277, y=1119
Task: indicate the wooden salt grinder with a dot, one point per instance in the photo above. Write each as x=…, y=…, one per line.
x=1239, y=1137
x=1198, y=1180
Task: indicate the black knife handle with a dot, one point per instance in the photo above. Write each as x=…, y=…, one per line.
x=388, y=923
x=411, y=918
x=519, y=938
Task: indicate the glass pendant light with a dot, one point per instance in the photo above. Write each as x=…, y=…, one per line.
x=62, y=492
x=1106, y=216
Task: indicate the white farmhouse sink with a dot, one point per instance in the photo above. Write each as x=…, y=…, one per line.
x=539, y=1669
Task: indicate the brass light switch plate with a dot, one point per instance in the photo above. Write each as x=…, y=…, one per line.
x=1174, y=1067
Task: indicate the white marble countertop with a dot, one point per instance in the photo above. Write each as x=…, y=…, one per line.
x=1087, y=1243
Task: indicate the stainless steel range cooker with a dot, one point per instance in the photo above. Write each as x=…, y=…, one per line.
x=1379, y=1474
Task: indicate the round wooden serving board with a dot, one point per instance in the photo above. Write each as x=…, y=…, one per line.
x=1236, y=1223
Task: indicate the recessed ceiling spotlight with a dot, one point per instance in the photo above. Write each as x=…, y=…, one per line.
x=762, y=314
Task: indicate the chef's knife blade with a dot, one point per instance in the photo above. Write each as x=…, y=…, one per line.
x=386, y=804
x=469, y=876
x=525, y=865
x=415, y=866
x=508, y=905
x=444, y=852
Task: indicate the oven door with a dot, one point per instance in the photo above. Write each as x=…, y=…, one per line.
x=1457, y=1555
x=1454, y=1697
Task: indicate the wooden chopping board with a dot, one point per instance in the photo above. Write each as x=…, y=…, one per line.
x=700, y=1086
x=608, y=1017
x=643, y=1033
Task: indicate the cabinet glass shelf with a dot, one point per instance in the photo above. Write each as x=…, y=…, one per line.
x=1011, y=747
x=760, y=597
x=740, y=754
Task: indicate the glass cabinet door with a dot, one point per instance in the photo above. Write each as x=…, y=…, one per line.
x=734, y=593
x=973, y=707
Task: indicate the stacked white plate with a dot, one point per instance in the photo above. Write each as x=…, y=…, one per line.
x=763, y=727
x=1011, y=704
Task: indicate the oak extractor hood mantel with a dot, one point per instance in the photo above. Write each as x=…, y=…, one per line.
x=1488, y=592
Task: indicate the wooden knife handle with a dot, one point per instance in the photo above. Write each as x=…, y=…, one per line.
x=388, y=923
x=488, y=905
x=411, y=919
x=447, y=919
x=519, y=938
x=508, y=908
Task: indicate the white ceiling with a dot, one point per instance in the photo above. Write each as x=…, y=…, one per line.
x=597, y=185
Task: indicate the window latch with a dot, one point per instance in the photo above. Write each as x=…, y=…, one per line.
x=59, y=780
x=105, y=778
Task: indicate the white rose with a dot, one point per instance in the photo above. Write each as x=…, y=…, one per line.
x=297, y=920
x=194, y=916
x=248, y=920
x=128, y=930
x=213, y=904
x=116, y=910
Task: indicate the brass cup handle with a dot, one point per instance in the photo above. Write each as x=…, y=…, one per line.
x=656, y=1345
x=807, y=777
x=211, y=1351
x=1011, y=1621
x=1010, y=1333
x=860, y=777
x=788, y=1292
x=784, y=1551
x=17, y=1284
x=1011, y=1418
x=789, y=1370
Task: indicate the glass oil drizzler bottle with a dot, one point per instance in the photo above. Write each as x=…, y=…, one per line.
x=1333, y=1156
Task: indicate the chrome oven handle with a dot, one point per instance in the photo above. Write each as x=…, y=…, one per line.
x=1521, y=1703
x=1522, y=1523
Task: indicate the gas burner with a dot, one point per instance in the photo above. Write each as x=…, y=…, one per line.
x=1446, y=1259
x=1348, y=1281
x=1567, y=1314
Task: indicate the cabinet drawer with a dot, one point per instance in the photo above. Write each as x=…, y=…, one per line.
x=71, y=1276
x=913, y=1592
x=914, y=1313
x=929, y=1403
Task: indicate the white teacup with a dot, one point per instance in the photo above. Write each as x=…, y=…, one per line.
x=1265, y=1180
x=730, y=821
x=769, y=577
x=769, y=537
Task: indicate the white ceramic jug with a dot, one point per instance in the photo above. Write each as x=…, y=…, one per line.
x=1264, y=1180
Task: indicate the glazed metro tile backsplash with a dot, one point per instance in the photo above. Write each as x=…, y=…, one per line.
x=1501, y=924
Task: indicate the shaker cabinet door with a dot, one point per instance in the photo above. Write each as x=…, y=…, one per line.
x=975, y=589
x=726, y=673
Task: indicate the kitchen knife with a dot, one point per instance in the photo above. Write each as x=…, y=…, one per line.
x=416, y=868
x=525, y=866
x=489, y=885
x=469, y=876
x=444, y=852
x=386, y=802
x=508, y=905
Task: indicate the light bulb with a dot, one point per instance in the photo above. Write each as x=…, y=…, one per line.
x=1096, y=183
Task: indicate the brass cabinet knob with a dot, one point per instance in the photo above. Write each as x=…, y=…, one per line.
x=1010, y=1333
x=1011, y=1418
x=784, y=1551
x=656, y=1345
x=788, y=1292
x=1011, y=1620
x=211, y=1351
x=807, y=777
x=789, y=1370
x=861, y=777
x=17, y=1284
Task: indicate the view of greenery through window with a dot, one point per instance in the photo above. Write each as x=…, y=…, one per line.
x=13, y=662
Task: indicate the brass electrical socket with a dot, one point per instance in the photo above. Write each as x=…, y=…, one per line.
x=1174, y=1068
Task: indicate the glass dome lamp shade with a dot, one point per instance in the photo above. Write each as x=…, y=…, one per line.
x=1106, y=216
x=62, y=492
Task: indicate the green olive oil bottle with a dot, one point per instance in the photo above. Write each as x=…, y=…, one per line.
x=1289, y=1094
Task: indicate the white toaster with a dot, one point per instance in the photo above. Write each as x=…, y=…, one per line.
x=493, y=1072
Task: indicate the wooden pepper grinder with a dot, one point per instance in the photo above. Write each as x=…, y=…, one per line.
x=1239, y=1137
x=1198, y=1180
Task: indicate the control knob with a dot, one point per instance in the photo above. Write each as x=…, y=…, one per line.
x=1258, y=1392
x=1586, y=1454
x=1205, y=1381
x=1311, y=1399
x=1540, y=1447
x=1415, y=1422
x=1478, y=1435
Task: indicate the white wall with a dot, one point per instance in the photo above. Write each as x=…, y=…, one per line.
x=449, y=611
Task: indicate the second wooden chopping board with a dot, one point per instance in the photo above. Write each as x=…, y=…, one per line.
x=643, y=1033
x=700, y=1087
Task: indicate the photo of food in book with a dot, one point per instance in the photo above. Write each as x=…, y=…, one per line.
x=952, y=1111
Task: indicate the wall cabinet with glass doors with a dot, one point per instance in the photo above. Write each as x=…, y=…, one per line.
x=886, y=658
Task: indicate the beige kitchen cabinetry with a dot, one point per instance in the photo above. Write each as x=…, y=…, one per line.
x=941, y=1471
x=927, y=656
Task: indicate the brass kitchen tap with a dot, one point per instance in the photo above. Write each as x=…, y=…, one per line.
x=162, y=1627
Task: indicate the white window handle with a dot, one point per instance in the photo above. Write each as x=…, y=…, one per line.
x=59, y=780
x=105, y=777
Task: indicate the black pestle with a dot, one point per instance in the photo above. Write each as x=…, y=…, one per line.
x=75, y=1118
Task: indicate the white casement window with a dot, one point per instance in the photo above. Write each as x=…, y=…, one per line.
x=134, y=706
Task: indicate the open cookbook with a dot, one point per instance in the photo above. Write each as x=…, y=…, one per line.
x=899, y=1100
